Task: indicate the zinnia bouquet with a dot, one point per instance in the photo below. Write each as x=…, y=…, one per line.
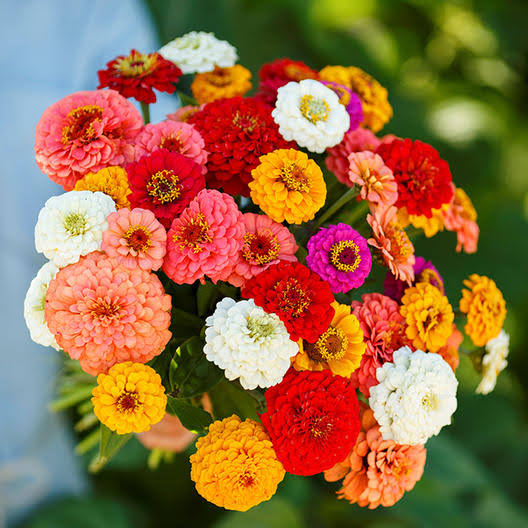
x=216, y=276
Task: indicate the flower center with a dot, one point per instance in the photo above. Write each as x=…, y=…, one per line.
x=246, y=479
x=105, y=309
x=127, y=402
x=75, y=224
x=401, y=246
x=433, y=318
x=247, y=123
x=172, y=143
x=136, y=64
x=344, y=255
x=313, y=109
x=260, y=248
x=193, y=233
x=320, y=426
x=292, y=298
x=219, y=77
x=332, y=344
x=138, y=238
x=294, y=177
x=79, y=124
x=394, y=336
x=430, y=401
x=260, y=327
x=163, y=187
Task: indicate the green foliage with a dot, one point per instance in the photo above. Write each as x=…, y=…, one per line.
x=109, y=444
x=191, y=416
x=229, y=398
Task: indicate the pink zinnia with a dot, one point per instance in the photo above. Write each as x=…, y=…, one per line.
x=375, y=179
x=461, y=217
x=135, y=238
x=384, y=330
x=183, y=113
x=102, y=313
x=176, y=137
x=205, y=239
x=85, y=132
x=265, y=243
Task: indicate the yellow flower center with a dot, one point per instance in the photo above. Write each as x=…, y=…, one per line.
x=344, y=255
x=138, y=238
x=192, y=234
x=105, y=310
x=75, y=224
x=260, y=248
x=136, y=64
x=260, y=327
x=294, y=177
x=320, y=426
x=331, y=345
x=79, y=124
x=401, y=246
x=164, y=187
x=127, y=402
x=430, y=401
x=247, y=123
x=313, y=109
x=292, y=298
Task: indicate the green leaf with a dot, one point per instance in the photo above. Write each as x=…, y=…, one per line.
x=184, y=324
x=109, y=444
x=206, y=295
x=191, y=417
x=228, y=399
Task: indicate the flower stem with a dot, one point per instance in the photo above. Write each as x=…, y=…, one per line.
x=351, y=193
x=187, y=99
x=145, y=110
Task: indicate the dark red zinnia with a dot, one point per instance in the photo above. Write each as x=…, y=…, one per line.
x=236, y=132
x=312, y=419
x=164, y=182
x=138, y=74
x=275, y=74
x=424, y=178
x=300, y=298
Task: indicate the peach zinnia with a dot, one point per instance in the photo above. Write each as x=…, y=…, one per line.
x=461, y=217
x=135, y=238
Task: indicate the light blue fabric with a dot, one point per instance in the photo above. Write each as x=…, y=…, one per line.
x=50, y=48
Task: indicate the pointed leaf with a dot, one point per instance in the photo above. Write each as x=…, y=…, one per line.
x=228, y=399
x=193, y=418
x=109, y=444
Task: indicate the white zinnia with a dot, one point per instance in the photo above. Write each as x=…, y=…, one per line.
x=310, y=113
x=34, y=306
x=494, y=361
x=72, y=225
x=199, y=52
x=415, y=396
x=248, y=343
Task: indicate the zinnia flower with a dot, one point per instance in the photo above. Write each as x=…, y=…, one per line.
x=241, y=474
x=138, y=74
x=415, y=396
x=174, y=136
x=71, y=225
x=384, y=331
x=184, y=113
x=340, y=256
x=248, y=343
x=265, y=243
x=205, y=239
x=312, y=419
x=112, y=181
x=297, y=295
x=287, y=185
x=221, y=83
x=494, y=362
x=484, y=307
x=393, y=244
x=164, y=182
x=450, y=350
x=424, y=178
x=428, y=315
x=135, y=238
x=374, y=98
x=130, y=398
x=310, y=114
x=339, y=348
x=102, y=313
x=198, y=52
x=460, y=216
x=430, y=226
x=377, y=472
x=85, y=132
x=236, y=132
x=349, y=100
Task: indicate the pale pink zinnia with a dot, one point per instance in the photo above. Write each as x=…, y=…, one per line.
x=135, y=238
x=85, y=132
x=265, y=243
x=205, y=239
x=102, y=313
x=183, y=113
x=171, y=135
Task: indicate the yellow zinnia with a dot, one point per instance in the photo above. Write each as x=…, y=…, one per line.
x=431, y=226
x=287, y=185
x=221, y=83
x=112, y=181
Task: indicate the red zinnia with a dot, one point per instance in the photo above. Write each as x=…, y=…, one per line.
x=164, y=182
x=424, y=178
x=236, y=132
x=275, y=74
x=312, y=419
x=300, y=298
x=137, y=74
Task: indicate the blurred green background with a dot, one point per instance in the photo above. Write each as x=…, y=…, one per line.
x=456, y=75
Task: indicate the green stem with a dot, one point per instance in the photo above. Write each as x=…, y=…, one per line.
x=82, y=393
x=88, y=443
x=187, y=99
x=145, y=110
x=413, y=232
x=360, y=209
x=349, y=195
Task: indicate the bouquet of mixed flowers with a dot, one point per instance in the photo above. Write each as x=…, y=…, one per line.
x=214, y=275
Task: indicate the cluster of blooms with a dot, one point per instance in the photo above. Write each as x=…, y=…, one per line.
x=228, y=190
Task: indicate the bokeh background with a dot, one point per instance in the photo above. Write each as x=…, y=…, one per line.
x=456, y=74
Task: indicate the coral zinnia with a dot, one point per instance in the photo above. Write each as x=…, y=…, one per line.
x=450, y=350
x=112, y=181
x=102, y=313
x=424, y=178
x=339, y=348
x=265, y=243
x=164, y=182
x=85, y=132
x=221, y=83
x=184, y=113
x=377, y=472
x=236, y=132
x=312, y=419
x=130, y=398
x=242, y=473
x=485, y=308
x=297, y=295
x=138, y=74
x=205, y=239
x=460, y=216
x=287, y=185
x=340, y=256
x=428, y=315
